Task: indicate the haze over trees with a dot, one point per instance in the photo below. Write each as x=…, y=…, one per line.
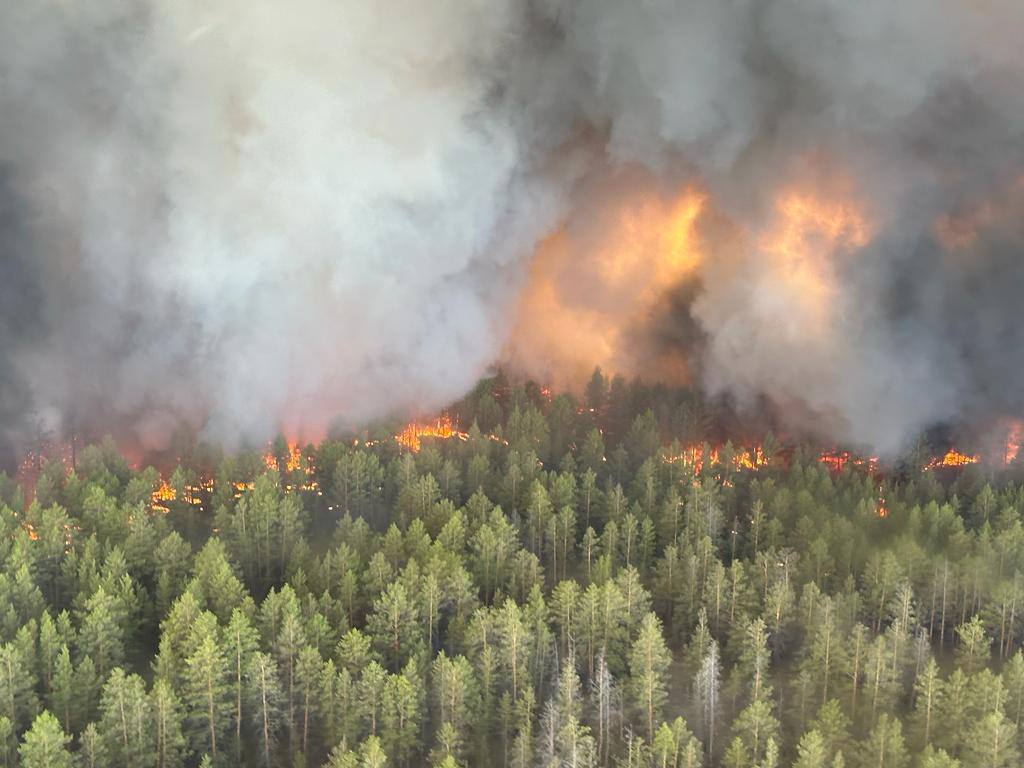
x=566, y=583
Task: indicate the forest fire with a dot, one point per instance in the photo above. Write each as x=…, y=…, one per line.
x=161, y=496
x=798, y=250
x=588, y=290
x=837, y=460
x=952, y=458
x=725, y=295
x=293, y=459
x=443, y=428
x=694, y=456
x=192, y=494
x=32, y=464
x=1011, y=448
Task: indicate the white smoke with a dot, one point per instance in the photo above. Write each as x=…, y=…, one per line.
x=249, y=214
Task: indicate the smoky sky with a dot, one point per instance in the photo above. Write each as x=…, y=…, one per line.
x=252, y=215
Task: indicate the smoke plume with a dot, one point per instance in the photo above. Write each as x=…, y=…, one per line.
x=248, y=215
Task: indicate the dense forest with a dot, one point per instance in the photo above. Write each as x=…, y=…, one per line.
x=597, y=581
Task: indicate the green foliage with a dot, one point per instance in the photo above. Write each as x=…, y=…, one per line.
x=581, y=583
x=44, y=745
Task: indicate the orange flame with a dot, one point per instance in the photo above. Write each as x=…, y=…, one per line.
x=584, y=297
x=694, y=457
x=800, y=247
x=293, y=461
x=443, y=428
x=1013, y=439
x=161, y=496
x=836, y=460
x=953, y=458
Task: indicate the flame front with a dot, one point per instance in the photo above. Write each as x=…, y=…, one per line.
x=953, y=458
x=442, y=428
x=696, y=457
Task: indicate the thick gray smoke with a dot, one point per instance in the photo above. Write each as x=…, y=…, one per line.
x=244, y=215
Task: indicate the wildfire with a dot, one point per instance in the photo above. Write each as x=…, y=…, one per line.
x=799, y=250
x=442, y=428
x=836, y=460
x=694, y=457
x=292, y=462
x=161, y=496
x=1013, y=439
x=953, y=458
x=587, y=288
x=33, y=461
x=959, y=229
x=165, y=493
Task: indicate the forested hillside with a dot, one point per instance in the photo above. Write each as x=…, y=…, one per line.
x=564, y=583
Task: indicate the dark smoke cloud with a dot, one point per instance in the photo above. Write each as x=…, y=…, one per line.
x=21, y=317
x=252, y=214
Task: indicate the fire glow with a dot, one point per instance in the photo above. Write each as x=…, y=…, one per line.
x=696, y=456
x=953, y=458
x=443, y=428
x=588, y=292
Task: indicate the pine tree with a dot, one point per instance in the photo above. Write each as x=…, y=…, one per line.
x=393, y=625
x=126, y=720
x=756, y=725
x=207, y=695
x=514, y=642
x=811, y=751
x=972, y=651
x=92, y=751
x=265, y=701
x=18, y=702
x=675, y=747
x=44, y=745
x=401, y=713
x=884, y=747
x=101, y=637
x=167, y=719
x=307, y=678
x=992, y=743
x=706, y=690
x=648, y=667
x=455, y=695
x=927, y=692
x=7, y=742
x=241, y=641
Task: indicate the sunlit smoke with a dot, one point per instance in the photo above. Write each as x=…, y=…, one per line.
x=255, y=217
x=594, y=290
